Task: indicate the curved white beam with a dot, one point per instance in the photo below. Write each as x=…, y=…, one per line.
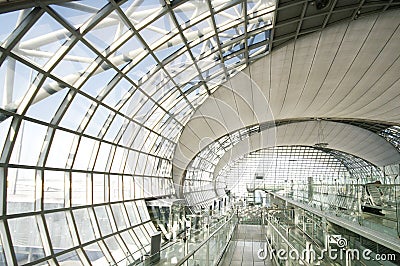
x=343, y=137
x=347, y=71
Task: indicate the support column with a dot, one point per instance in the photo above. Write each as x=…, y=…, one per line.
x=310, y=189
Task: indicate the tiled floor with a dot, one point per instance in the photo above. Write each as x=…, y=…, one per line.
x=244, y=247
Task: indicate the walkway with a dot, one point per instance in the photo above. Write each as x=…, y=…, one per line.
x=244, y=247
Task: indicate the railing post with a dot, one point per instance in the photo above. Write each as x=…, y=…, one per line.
x=397, y=201
x=208, y=253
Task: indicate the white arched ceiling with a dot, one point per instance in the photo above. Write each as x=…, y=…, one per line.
x=350, y=70
x=343, y=137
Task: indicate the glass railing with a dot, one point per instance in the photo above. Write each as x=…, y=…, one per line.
x=214, y=236
x=210, y=251
x=380, y=212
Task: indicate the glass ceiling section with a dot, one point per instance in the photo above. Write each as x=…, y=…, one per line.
x=94, y=95
x=189, y=48
x=201, y=187
x=280, y=165
x=392, y=134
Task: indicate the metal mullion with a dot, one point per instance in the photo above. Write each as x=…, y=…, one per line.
x=17, y=166
x=125, y=213
x=103, y=57
x=93, y=158
x=106, y=189
x=271, y=35
x=66, y=209
x=106, y=251
x=83, y=256
x=110, y=159
x=20, y=5
x=388, y=5
x=20, y=31
x=124, y=247
x=212, y=17
x=136, y=240
x=229, y=4
x=11, y=139
x=8, y=147
x=95, y=222
x=107, y=124
x=150, y=51
x=9, y=252
x=44, y=235
x=71, y=226
x=56, y=127
x=246, y=34
x=300, y=22
x=328, y=16
x=9, y=82
x=3, y=189
x=187, y=46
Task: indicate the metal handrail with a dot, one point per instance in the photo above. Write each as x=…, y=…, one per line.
x=286, y=242
x=189, y=255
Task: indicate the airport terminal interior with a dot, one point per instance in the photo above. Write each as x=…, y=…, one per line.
x=200, y=132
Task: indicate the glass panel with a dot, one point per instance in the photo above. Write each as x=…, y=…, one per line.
x=28, y=151
x=80, y=188
x=96, y=84
x=102, y=157
x=19, y=79
x=76, y=112
x=69, y=258
x=129, y=242
x=10, y=23
x=100, y=188
x=26, y=239
x=54, y=189
x=118, y=92
x=142, y=208
x=21, y=190
x=45, y=109
x=144, y=238
x=95, y=254
x=115, y=187
x=103, y=220
x=2, y=256
x=74, y=63
x=141, y=12
x=133, y=213
x=77, y=13
x=60, y=235
x=118, y=216
x=60, y=149
x=115, y=249
x=106, y=31
x=84, y=225
x=84, y=153
x=42, y=40
x=142, y=68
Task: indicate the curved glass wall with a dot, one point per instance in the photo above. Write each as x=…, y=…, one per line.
x=200, y=186
x=94, y=96
x=279, y=166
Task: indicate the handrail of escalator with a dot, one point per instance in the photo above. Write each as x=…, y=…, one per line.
x=191, y=254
